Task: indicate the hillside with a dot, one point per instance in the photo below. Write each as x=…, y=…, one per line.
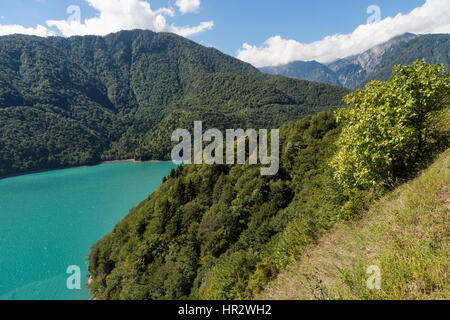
x=373, y=64
x=434, y=48
x=406, y=234
x=80, y=100
x=207, y=224
x=225, y=231
x=353, y=71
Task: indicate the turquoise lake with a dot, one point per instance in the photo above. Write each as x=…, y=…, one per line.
x=49, y=220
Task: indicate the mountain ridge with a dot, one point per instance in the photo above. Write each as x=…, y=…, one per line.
x=85, y=99
x=306, y=70
x=373, y=64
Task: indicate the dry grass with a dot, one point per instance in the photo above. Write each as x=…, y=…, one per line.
x=405, y=234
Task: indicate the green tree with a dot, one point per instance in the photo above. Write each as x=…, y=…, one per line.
x=386, y=128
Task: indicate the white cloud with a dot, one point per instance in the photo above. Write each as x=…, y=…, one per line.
x=116, y=15
x=188, y=6
x=432, y=17
x=12, y=29
x=188, y=31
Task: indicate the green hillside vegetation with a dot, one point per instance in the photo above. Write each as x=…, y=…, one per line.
x=207, y=224
x=391, y=128
x=81, y=100
x=406, y=234
x=224, y=232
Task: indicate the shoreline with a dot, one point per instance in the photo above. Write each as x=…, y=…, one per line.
x=133, y=161
x=12, y=175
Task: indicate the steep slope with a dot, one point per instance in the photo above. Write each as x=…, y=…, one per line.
x=209, y=231
x=435, y=48
x=374, y=64
x=225, y=231
x=81, y=100
x=306, y=70
x=405, y=234
x=353, y=71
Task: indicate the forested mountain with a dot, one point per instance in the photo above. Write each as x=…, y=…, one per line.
x=434, y=48
x=81, y=100
x=374, y=64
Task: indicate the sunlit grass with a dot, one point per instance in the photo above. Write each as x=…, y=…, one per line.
x=406, y=234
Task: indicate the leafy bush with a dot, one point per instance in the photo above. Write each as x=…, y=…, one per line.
x=387, y=128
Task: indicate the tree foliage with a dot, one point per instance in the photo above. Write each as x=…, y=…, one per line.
x=388, y=129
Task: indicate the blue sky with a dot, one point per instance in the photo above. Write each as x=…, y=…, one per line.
x=228, y=25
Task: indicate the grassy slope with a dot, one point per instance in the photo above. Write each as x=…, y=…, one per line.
x=406, y=234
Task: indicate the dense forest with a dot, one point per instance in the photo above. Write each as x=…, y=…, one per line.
x=81, y=100
x=212, y=231
x=224, y=232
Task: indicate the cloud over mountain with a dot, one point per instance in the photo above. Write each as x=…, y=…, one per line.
x=116, y=15
x=14, y=28
x=432, y=17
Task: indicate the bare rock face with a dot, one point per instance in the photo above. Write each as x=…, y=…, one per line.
x=372, y=58
x=354, y=70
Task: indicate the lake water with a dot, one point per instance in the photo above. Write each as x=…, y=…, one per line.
x=49, y=220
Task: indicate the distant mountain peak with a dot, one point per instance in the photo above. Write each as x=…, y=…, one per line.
x=355, y=70
x=305, y=70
